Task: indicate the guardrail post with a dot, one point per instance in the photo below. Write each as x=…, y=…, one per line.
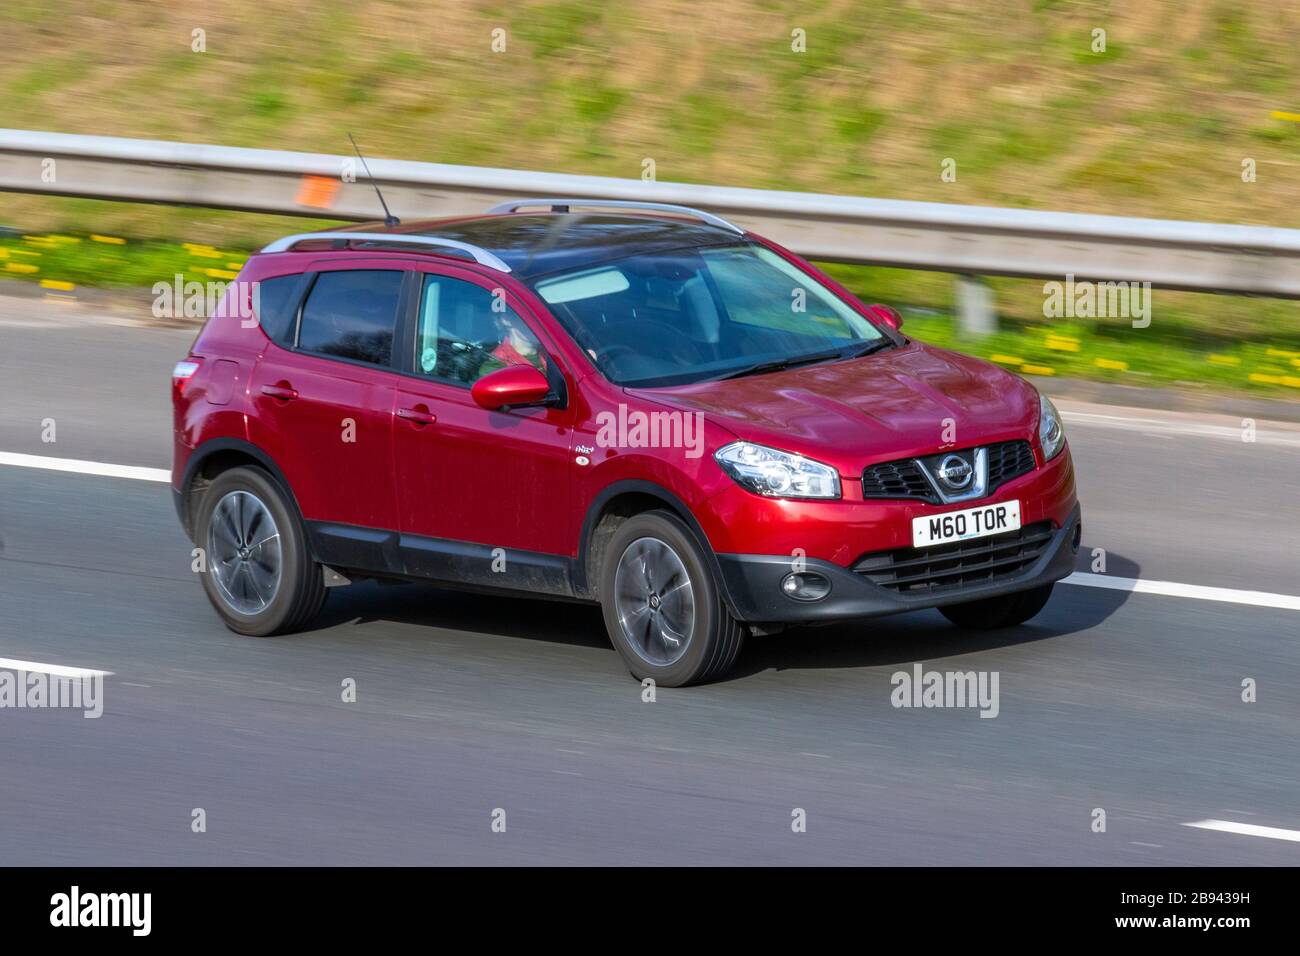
x=975, y=313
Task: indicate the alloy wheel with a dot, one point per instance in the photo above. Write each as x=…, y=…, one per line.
x=655, y=601
x=244, y=552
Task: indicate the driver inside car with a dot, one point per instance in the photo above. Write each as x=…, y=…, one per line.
x=517, y=347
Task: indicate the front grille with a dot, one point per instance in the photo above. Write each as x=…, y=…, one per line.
x=904, y=478
x=1007, y=460
x=897, y=479
x=949, y=567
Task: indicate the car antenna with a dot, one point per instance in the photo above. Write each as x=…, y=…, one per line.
x=389, y=219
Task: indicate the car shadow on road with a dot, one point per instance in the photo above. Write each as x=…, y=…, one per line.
x=424, y=605
x=919, y=636
x=928, y=635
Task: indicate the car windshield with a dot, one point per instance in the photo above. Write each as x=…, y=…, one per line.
x=705, y=313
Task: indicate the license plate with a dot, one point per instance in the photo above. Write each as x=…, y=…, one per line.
x=966, y=524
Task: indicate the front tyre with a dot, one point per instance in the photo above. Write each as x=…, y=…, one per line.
x=258, y=573
x=661, y=604
x=1005, y=610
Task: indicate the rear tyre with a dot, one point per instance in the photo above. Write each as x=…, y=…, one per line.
x=258, y=572
x=662, y=606
x=1006, y=610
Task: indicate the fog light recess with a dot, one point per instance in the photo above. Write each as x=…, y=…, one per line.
x=805, y=586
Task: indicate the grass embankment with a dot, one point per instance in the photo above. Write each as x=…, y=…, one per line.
x=1015, y=93
x=1186, y=343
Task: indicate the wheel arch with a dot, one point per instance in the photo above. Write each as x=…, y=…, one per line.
x=218, y=455
x=624, y=499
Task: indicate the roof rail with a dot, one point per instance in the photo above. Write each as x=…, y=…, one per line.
x=562, y=205
x=479, y=255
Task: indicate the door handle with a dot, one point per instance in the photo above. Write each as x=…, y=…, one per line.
x=284, y=391
x=419, y=416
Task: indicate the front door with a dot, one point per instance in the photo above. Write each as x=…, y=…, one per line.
x=496, y=480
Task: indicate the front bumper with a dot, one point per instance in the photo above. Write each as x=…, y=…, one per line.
x=752, y=583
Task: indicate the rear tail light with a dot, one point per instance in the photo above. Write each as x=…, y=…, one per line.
x=181, y=374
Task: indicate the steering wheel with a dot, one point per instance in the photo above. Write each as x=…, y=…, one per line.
x=608, y=352
x=466, y=357
x=678, y=346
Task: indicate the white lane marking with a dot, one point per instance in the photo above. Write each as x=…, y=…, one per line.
x=1167, y=588
x=1165, y=427
x=1289, y=602
x=54, y=670
x=84, y=467
x=1247, y=829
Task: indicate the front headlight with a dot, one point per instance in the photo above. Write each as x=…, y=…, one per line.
x=777, y=474
x=1050, y=433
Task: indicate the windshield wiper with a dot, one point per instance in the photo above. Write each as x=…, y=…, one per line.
x=777, y=365
x=879, y=345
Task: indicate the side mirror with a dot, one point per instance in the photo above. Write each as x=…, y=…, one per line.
x=887, y=315
x=512, y=386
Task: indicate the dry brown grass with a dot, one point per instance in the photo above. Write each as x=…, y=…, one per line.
x=712, y=92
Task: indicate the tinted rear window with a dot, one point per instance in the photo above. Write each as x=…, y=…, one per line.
x=277, y=299
x=351, y=314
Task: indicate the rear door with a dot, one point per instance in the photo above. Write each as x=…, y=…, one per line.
x=322, y=406
x=497, y=479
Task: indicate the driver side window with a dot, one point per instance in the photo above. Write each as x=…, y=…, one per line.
x=467, y=331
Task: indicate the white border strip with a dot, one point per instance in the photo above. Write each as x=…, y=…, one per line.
x=1288, y=602
x=85, y=467
x=54, y=670
x=1247, y=829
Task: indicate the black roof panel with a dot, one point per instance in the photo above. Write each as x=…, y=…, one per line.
x=537, y=244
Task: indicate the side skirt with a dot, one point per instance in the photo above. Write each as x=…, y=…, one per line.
x=461, y=563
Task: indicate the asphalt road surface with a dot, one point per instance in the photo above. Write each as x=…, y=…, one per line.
x=465, y=705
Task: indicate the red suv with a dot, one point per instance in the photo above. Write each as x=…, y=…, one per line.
x=649, y=408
